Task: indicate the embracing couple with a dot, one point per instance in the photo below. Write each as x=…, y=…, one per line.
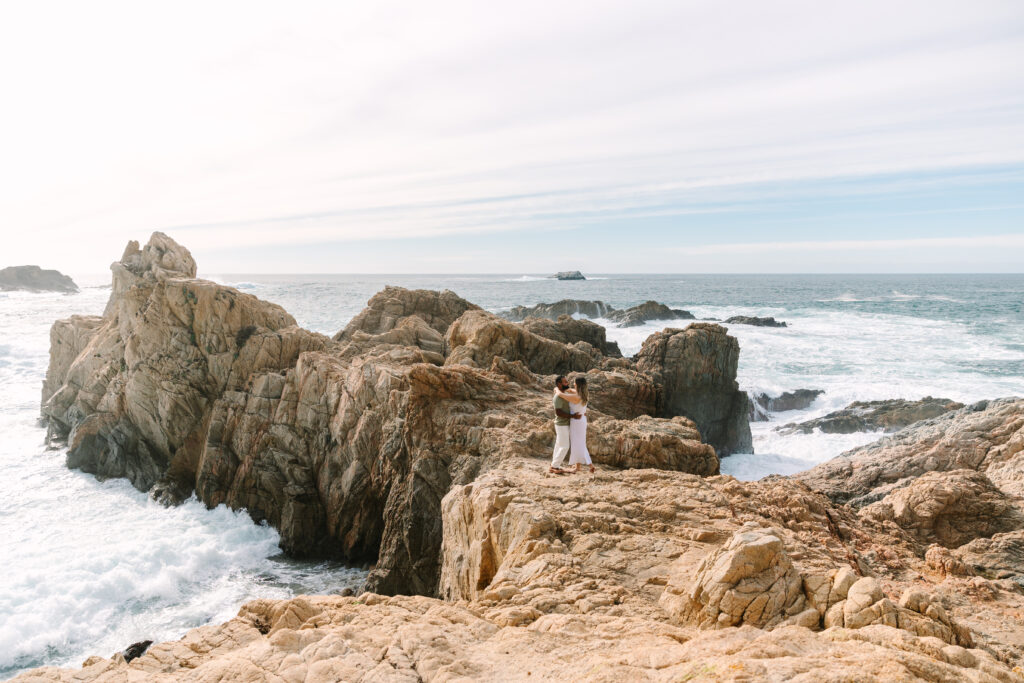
x=570, y=425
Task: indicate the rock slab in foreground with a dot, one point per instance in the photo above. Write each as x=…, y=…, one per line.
x=35, y=279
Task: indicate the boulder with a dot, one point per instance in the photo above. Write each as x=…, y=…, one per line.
x=35, y=279
x=646, y=312
x=570, y=307
x=569, y=330
x=755, y=321
x=389, y=307
x=987, y=436
x=749, y=580
x=696, y=369
x=1000, y=556
x=867, y=416
x=478, y=337
x=949, y=508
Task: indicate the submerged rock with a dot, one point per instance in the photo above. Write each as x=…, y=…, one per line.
x=755, y=321
x=35, y=279
x=646, y=312
x=570, y=307
x=867, y=416
x=569, y=330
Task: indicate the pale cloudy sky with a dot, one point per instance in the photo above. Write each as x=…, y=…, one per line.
x=522, y=137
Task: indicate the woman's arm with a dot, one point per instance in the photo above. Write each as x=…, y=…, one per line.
x=571, y=398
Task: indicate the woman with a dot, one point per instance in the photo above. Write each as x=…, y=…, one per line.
x=578, y=453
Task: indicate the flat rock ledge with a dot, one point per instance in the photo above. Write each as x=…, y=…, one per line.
x=642, y=575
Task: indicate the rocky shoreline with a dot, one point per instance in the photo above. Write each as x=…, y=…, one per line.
x=417, y=438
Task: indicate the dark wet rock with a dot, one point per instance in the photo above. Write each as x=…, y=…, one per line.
x=136, y=650
x=569, y=275
x=646, y=312
x=35, y=279
x=696, y=369
x=762, y=404
x=869, y=416
x=571, y=307
x=569, y=330
x=752, y=320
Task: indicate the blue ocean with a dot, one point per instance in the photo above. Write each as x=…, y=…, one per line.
x=93, y=566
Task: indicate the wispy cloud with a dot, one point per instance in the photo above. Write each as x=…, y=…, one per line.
x=261, y=124
x=986, y=242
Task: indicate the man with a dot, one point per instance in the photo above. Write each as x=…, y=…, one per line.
x=562, y=417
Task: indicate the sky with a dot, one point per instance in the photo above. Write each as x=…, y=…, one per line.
x=526, y=137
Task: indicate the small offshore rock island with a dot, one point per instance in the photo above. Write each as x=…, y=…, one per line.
x=417, y=438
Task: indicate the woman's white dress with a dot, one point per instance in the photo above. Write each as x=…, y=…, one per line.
x=578, y=453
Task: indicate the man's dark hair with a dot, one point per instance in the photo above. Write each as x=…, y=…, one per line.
x=558, y=380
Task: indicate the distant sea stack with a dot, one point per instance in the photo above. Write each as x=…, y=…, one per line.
x=35, y=279
x=569, y=275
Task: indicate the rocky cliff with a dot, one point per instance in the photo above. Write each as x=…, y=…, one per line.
x=427, y=452
x=345, y=445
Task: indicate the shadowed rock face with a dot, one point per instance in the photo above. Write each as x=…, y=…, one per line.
x=697, y=369
x=867, y=416
x=346, y=446
x=35, y=279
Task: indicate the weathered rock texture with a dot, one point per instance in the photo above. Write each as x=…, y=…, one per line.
x=426, y=452
x=697, y=369
x=589, y=578
x=346, y=446
x=953, y=484
x=569, y=330
x=35, y=279
x=869, y=416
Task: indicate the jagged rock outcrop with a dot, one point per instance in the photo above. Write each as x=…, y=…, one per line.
x=346, y=446
x=390, y=306
x=646, y=312
x=569, y=330
x=755, y=321
x=570, y=307
x=868, y=416
x=569, y=275
x=697, y=370
x=987, y=436
x=35, y=279
x=949, y=508
x=478, y=336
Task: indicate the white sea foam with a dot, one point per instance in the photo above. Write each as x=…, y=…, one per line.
x=89, y=566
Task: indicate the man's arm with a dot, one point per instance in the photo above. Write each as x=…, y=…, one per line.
x=573, y=416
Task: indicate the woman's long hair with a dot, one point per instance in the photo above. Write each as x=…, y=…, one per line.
x=581, y=390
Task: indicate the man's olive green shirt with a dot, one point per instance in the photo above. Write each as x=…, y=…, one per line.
x=563, y=405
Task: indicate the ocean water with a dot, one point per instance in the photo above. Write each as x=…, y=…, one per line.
x=94, y=566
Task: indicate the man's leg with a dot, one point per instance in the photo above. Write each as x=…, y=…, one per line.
x=561, y=446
